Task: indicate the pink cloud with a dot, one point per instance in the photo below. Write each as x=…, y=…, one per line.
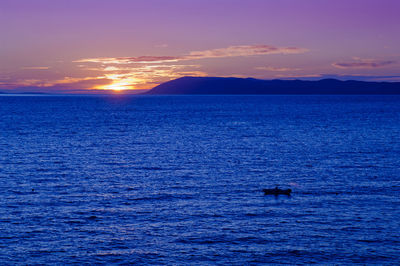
x=129, y=60
x=277, y=69
x=231, y=51
x=243, y=50
x=36, y=68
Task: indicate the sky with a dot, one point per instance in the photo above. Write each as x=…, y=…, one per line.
x=91, y=46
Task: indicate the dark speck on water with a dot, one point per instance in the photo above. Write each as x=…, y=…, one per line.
x=178, y=180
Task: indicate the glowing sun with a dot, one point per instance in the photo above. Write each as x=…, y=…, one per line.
x=121, y=82
x=116, y=87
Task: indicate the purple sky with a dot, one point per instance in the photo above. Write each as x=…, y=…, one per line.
x=76, y=45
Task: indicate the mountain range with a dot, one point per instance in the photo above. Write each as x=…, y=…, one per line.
x=235, y=86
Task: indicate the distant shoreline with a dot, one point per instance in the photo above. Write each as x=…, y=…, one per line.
x=243, y=86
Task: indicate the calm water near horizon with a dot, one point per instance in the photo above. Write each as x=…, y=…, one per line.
x=178, y=179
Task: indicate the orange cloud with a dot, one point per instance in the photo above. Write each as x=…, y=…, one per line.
x=67, y=85
x=138, y=72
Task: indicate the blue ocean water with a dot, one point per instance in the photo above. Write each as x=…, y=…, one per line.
x=178, y=179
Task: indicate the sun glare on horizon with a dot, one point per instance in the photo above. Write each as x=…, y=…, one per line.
x=116, y=87
x=120, y=83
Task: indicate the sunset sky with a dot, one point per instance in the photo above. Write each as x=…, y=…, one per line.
x=78, y=45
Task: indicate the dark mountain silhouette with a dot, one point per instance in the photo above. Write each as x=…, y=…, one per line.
x=217, y=85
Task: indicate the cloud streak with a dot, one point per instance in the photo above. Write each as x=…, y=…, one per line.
x=277, y=69
x=231, y=51
x=243, y=50
x=65, y=85
x=363, y=64
x=129, y=60
x=35, y=68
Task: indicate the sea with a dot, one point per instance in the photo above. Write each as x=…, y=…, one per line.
x=177, y=180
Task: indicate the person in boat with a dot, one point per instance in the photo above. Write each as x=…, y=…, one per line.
x=277, y=191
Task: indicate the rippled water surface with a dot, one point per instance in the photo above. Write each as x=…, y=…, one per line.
x=178, y=179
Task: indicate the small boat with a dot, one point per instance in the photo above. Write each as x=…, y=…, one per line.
x=277, y=191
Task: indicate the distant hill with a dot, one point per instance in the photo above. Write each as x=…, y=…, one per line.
x=217, y=85
x=19, y=93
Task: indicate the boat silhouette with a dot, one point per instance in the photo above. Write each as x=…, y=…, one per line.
x=277, y=191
